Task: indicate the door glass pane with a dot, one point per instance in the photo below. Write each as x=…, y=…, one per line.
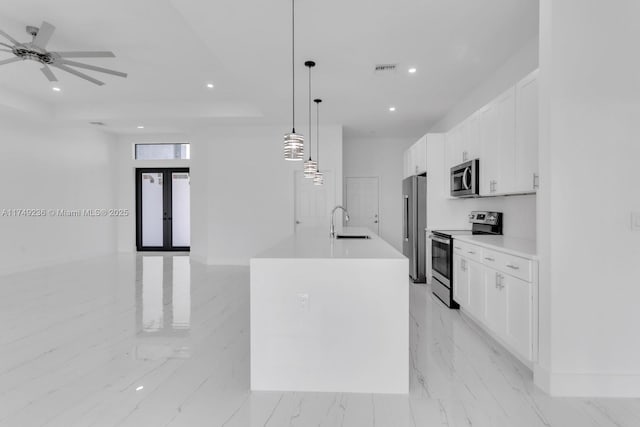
x=152, y=209
x=440, y=258
x=180, y=206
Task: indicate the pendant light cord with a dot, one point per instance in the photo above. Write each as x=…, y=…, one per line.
x=310, y=113
x=293, y=60
x=317, y=101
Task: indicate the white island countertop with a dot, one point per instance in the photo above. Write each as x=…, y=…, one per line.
x=525, y=248
x=316, y=243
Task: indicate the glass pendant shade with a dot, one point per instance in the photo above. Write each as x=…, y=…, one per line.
x=310, y=168
x=293, y=146
x=318, y=179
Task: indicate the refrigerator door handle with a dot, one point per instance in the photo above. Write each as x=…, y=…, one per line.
x=405, y=218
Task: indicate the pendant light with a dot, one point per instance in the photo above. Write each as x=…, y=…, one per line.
x=318, y=179
x=310, y=167
x=293, y=142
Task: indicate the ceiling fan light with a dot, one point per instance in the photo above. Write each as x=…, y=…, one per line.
x=310, y=169
x=293, y=146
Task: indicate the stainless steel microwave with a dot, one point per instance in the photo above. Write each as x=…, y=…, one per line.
x=465, y=179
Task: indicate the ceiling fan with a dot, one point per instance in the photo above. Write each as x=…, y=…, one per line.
x=36, y=51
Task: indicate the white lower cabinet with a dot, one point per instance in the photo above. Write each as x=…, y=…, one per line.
x=460, y=281
x=495, y=309
x=519, y=316
x=477, y=290
x=490, y=291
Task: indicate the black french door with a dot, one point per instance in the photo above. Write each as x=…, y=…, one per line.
x=163, y=209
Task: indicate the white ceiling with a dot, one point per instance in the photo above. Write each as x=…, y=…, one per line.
x=171, y=48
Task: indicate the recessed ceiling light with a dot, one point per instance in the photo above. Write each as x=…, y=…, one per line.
x=56, y=89
x=210, y=85
x=140, y=127
x=392, y=108
x=412, y=70
x=140, y=387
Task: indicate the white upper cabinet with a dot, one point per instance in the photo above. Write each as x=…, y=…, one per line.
x=504, y=136
x=497, y=139
x=470, y=143
x=526, y=149
x=415, y=158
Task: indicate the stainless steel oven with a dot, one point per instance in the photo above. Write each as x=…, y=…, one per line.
x=465, y=179
x=442, y=252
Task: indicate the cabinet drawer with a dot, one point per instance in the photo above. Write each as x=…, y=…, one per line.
x=467, y=250
x=509, y=264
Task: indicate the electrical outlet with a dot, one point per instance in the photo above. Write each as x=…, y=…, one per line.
x=635, y=221
x=303, y=302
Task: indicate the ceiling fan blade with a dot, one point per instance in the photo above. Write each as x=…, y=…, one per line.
x=44, y=35
x=8, y=37
x=77, y=73
x=10, y=60
x=6, y=50
x=91, y=67
x=104, y=54
x=48, y=73
x=6, y=45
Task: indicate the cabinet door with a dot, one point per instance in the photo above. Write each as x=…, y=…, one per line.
x=406, y=163
x=519, y=307
x=460, y=281
x=495, y=311
x=471, y=147
x=476, y=289
x=453, y=148
x=421, y=155
x=489, y=148
x=506, y=134
x=527, y=133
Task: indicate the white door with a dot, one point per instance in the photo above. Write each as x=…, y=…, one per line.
x=527, y=133
x=362, y=202
x=460, y=281
x=313, y=203
x=519, y=328
x=477, y=290
x=495, y=313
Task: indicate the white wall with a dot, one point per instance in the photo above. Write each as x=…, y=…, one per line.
x=444, y=212
x=381, y=157
x=245, y=199
x=45, y=165
x=590, y=256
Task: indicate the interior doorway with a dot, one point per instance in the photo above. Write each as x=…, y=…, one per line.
x=313, y=203
x=362, y=199
x=163, y=209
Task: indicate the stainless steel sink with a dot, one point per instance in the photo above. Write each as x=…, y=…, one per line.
x=352, y=236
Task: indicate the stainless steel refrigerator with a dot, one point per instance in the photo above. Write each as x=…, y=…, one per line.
x=414, y=221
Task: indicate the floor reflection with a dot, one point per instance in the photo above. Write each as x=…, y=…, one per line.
x=163, y=306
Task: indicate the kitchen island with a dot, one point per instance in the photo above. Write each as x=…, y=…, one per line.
x=330, y=315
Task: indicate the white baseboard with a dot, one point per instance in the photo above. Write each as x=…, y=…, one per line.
x=587, y=384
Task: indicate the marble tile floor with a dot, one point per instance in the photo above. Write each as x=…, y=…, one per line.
x=154, y=340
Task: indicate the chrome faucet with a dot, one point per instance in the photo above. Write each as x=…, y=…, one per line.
x=332, y=230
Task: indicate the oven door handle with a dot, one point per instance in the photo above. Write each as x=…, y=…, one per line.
x=440, y=239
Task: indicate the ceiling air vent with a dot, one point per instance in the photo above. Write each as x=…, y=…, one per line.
x=385, y=68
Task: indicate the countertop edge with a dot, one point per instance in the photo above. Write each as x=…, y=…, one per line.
x=472, y=240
